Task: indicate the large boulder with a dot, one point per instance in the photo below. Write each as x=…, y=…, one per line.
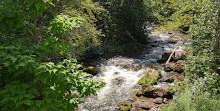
x=170, y=76
x=147, y=98
x=171, y=66
x=149, y=91
x=158, y=100
x=178, y=55
x=146, y=89
x=143, y=103
x=167, y=55
x=158, y=92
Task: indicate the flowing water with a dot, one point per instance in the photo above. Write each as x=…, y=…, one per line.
x=122, y=74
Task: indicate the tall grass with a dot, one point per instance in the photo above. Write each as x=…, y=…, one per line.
x=187, y=101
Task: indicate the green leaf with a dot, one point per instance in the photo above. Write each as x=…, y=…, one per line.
x=38, y=5
x=27, y=102
x=13, y=59
x=50, y=2
x=54, y=70
x=21, y=64
x=7, y=63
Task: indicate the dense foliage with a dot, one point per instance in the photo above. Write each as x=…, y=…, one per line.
x=40, y=41
x=201, y=85
x=34, y=73
x=125, y=25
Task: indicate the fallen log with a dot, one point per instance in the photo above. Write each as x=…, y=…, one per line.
x=171, y=55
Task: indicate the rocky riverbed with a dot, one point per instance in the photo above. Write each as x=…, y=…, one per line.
x=139, y=83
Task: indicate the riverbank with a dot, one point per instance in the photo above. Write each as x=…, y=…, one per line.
x=123, y=73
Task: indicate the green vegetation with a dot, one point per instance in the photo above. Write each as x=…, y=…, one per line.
x=34, y=47
x=148, y=79
x=125, y=29
x=200, y=19
x=41, y=41
x=125, y=107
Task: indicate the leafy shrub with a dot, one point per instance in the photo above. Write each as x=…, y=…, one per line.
x=27, y=84
x=147, y=79
x=126, y=24
x=33, y=75
x=201, y=86
x=89, y=34
x=187, y=101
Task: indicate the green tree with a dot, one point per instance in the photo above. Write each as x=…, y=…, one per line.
x=201, y=84
x=33, y=76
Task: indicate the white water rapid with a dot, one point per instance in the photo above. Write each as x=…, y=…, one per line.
x=122, y=74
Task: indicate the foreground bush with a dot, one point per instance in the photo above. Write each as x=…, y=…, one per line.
x=37, y=72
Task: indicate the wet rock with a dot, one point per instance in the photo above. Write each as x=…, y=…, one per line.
x=126, y=106
x=158, y=94
x=170, y=32
x=161, y=60
x=153, y=67
x=179, y=55
x=118, y=80
x=148, y=101
x=125, y=63
x=133, y=99
x=136, y=67
x=170, y=76
x=164, y=85
x=158, y=100
x=142, y=105
x=91, y=70
x=165, y=56
x=140, y=92
x=147, y=87
x=136, y=109
x=155, y=44
x=178, y=67
x=162, y=93
x=169, y=66
x=146, y=90
x=172, y=41
x=154, y=73
x=132, y=66
x=167, y=101
x=154, y=93
x=116, y=73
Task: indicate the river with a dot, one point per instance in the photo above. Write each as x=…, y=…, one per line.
x=122, y=74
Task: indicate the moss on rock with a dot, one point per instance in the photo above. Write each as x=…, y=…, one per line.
x=150, y=77
x=125, y=106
